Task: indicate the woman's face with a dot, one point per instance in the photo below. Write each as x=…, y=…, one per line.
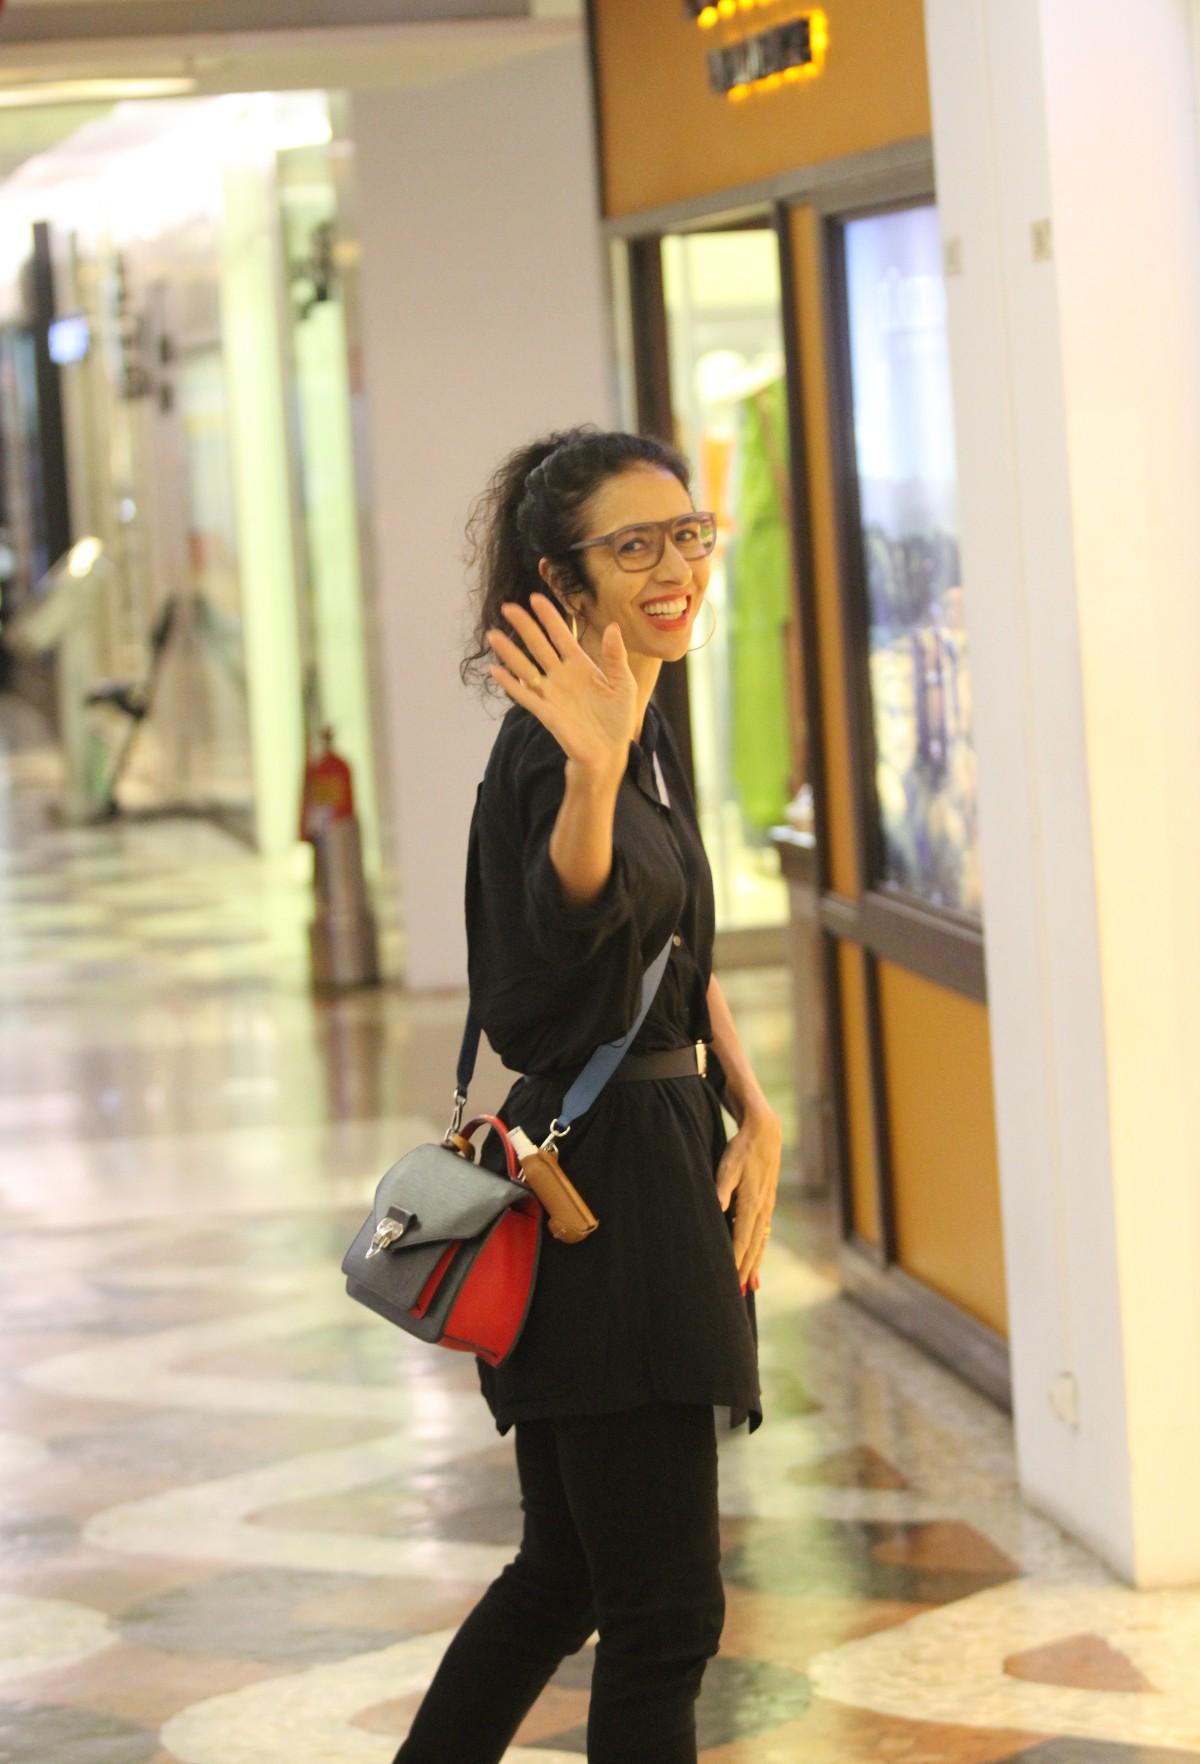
x=655, y=608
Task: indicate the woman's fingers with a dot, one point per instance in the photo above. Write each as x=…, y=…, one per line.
x=741, y=1182
x=748, y=1175
x=555, y=626
x=745, y=1235
x=751, y=1228
x=516, y=689
x=532, y=634
x=529, y=698
x=750, y=1261
x=758, y=1248
x=728, y=1176
x=514, y=658
x=613, y=656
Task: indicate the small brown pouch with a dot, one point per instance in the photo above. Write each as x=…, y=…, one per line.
x=567, y=1213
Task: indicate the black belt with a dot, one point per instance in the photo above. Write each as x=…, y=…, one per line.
x=676, y=1062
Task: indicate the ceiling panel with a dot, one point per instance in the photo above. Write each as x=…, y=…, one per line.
x=41, y=21
x=26, y=132
x=353, y=58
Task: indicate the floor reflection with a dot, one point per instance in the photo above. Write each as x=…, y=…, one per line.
x=239, y=1518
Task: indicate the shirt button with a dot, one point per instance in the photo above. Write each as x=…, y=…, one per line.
x=677, y=940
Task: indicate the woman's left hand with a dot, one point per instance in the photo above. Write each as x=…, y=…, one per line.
x=748, y=1175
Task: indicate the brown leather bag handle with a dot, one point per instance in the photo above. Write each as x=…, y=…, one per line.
x=459, y=1140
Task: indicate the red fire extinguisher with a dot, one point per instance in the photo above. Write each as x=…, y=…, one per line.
x=328, y=790
x=342, y=939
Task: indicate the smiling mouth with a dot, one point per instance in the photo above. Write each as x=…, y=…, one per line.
x=669, y=612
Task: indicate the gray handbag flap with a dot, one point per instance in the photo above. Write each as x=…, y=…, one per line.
x=445, y=1197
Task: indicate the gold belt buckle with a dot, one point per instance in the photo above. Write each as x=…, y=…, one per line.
x=702, y=1058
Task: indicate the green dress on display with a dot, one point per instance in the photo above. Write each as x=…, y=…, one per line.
x=760, y=611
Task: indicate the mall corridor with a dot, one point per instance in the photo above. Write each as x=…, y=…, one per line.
x=241, y=1516
x=845, y=358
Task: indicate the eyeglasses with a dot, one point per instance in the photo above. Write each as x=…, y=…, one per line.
x=641, y=546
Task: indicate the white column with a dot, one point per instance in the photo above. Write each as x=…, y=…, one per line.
x=1069, y=193
x=484, y=326
x=256, y=386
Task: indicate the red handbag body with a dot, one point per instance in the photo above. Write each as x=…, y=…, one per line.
x=449, y=1252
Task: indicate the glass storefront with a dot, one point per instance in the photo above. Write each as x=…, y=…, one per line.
x=925, y=782
x=728, y=398
x=202, y=257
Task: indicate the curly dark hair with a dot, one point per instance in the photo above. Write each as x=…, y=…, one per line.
x=535, y=507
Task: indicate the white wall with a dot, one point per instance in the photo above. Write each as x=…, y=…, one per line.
x=484, y=325
x=1077, y=400
x=1128, y=206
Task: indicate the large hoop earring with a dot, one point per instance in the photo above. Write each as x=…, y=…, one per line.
x=693, y=647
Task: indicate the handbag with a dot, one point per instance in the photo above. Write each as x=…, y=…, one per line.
x=449, y=1251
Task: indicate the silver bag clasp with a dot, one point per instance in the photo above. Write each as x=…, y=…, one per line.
x=390, y=1230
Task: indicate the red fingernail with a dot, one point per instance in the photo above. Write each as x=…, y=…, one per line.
x=754, y=1284
x=743, y=1289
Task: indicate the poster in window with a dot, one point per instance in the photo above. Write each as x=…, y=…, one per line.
x=918, y=656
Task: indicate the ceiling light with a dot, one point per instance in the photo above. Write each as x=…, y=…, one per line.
x=83, y=557
x=93, y=91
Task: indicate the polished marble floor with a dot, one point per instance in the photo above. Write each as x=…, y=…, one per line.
x=240, y=1518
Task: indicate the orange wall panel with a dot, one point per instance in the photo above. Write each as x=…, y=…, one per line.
x=666, y=136
x=860, y=1112
x=941, y=1120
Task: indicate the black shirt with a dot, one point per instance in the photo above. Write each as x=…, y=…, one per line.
x=649, y=1307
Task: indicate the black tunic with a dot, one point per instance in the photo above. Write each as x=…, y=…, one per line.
x=649, y=1307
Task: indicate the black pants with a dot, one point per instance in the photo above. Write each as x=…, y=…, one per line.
x=620, y=1536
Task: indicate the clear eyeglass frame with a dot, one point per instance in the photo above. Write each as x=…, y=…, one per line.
x=640, y=545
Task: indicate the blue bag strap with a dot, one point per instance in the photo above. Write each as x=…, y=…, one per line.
x=595, y=1074
x=604, y=1061
x=468, y=1053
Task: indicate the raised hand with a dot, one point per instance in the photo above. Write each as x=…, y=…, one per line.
x=590, y=707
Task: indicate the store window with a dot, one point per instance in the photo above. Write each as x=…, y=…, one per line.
x=925, y=784
x=728, y=397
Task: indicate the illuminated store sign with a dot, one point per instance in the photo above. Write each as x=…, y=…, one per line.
x=747, y=60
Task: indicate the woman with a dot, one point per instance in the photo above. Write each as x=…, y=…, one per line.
x=593, y=568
